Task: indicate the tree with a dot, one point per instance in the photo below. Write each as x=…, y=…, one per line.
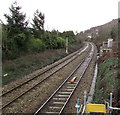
x=16, y=21
x=38, y=24
x=38, y=21
x=70, y=35
x=16, y=31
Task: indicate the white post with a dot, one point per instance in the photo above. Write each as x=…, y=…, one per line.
x=110, y=99
x=84, y=106
x=85, y=95
x=67, y=45
x=110, y=103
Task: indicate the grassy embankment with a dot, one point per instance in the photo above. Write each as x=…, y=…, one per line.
x=30, y=62
x=108, y=80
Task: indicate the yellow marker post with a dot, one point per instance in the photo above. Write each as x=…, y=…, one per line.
x=97, y=108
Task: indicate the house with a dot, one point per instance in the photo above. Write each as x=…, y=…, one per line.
x=106, y=46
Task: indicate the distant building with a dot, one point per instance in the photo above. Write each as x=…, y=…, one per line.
x=106, y=46
x=105, y=49
x=110, y=42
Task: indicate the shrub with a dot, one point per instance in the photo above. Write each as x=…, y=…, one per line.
x=35, y=45
x=60, y=42
x=12, y=52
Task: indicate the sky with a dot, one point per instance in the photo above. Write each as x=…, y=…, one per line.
x=65, y=15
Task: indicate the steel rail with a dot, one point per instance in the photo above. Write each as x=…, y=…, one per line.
x=57, y=89
x=93, y=50
x=76, y=84
x=14, y=88
x=39, y=82
x=64, y=84
x=84, y=106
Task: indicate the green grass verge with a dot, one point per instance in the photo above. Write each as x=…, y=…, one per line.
x=25, y=65
x=107, y=79
x=28, y=63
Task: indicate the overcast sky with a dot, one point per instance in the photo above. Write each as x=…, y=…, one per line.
x=63, y=15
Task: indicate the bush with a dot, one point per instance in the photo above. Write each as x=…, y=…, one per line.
x=60, y=42
x=12, y=52
x=107, y=79
x=55, y=43
x=35, y=45
x=20, y=40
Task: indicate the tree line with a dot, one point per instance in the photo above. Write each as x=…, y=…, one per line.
x=18, y=38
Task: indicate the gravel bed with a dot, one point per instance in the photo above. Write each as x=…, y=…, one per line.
x=32, y=83
x=84, y=84
x=13, y=84
x=33, y=99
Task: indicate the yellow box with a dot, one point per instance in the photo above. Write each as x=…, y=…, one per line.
x=98, y=108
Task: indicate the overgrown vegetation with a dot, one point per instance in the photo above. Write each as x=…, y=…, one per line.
x=26, y=64
x=108, y=70
x=28, y=48
x=108, y=80
x=19, y=39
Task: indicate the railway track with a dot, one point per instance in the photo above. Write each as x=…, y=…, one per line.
x=58, y=100
x=36, y=80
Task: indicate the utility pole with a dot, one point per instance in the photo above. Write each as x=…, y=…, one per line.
x=66, y=45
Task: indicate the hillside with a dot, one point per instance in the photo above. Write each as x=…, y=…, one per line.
x=108, y=80
x=0, y=31
x=101, y=33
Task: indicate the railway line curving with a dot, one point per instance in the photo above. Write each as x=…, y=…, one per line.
x=58, y=100
x=36, y=80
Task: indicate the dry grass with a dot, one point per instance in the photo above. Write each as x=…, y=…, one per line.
x=30, y=62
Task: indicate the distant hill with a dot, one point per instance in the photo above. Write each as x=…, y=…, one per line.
x=0, y=26
x=102, y=32
x=110, y=24
x=0, y=31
